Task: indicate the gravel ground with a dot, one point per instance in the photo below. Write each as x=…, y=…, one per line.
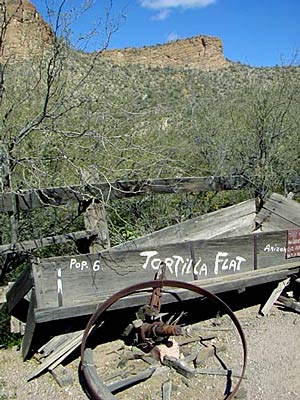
x=272, y=370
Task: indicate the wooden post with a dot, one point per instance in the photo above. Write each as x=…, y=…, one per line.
x=14, y=228
x=274, y=296
x=14, y=221
x=95, y=220
x=95, y=217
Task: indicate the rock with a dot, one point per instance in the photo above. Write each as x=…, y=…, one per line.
x=27, y=34
x=200, y=52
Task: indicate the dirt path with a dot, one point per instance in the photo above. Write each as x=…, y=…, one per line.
x=272, y=370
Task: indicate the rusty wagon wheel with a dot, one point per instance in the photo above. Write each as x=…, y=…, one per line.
x=95, y=386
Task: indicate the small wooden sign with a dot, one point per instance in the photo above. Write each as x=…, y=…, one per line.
x=293, y=243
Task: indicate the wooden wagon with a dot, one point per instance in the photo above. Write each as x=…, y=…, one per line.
x=230, y=249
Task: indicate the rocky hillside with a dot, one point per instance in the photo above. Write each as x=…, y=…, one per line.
x=203, y=52
x=28, y=34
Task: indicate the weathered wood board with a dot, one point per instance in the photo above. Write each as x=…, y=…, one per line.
x=215, y=285
x=44, y=242
x=228, y=222
x=271, y=249
x=30, y=199
x=84, y=279
x=16, y=303
x=278, y=213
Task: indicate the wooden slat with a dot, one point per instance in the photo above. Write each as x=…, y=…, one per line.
x=95, y=219
x=271, y=249
x=16, y=303
x=30, y=328
x=59, y=354
x=125, y=383
x=274, y=296
x=279, y=211
x=47, y=241
x=231, y=221
x=30, y=199
x=95, y=276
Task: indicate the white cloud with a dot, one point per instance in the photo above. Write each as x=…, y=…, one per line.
x=167, y=4
x=172, y=37
x=162, y=14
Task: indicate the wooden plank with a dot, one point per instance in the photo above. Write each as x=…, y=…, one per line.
x=55, y=343
x=95, y=220
x=48, y=241
x=274, y=296
x=30, y=329
x=289, y=303
x=3, y=291
x=60, y=354
x=217, y=285
x=218, y=371
x=125, y=383
x=180, y=366
x=222, y=257
x=271, y=249
x=62, y=376
x=228, y=222
x=84, y=278
x=30, y=199
x=281, y=210
x=16, y=304
x=16, y=326
x=207, y=352
x=267, y=221
x=67, y=281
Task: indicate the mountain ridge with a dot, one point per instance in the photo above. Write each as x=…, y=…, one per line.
x=27, y=35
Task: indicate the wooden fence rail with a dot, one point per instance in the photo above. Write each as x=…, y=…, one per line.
x=30, y=199
x=28, y=245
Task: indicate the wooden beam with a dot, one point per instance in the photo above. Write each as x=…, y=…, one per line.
x=180, y=366
x=289, y=303
x=55, y=358
x=16, y=304
x=95, y=220
x=278, y=212
x=28, y=245
x=30, y=199
x=274, y=296
x=125, y=383
x=218, y=371
x=30, y=330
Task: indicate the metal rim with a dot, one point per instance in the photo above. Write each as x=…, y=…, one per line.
x=93, y=381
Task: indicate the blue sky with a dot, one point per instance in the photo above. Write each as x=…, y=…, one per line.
x=254, y=32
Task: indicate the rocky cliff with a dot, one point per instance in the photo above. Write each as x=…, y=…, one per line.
x=28, y=35
x=203, y=52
